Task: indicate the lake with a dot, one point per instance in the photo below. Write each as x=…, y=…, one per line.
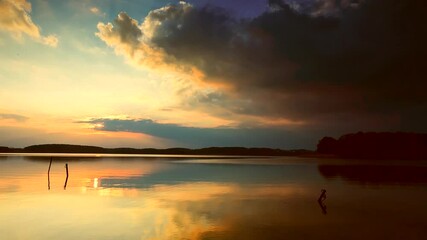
x=210, y=197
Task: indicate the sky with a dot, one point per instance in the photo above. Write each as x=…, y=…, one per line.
x=257, y=73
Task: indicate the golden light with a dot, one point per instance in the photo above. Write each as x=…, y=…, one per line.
x=98, y=125
x=95, y=183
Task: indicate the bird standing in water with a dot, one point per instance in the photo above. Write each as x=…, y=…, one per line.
x=322, y=196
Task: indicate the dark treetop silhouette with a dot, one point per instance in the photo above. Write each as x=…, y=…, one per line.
x=372, y=145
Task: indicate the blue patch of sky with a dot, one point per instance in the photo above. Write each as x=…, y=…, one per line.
x=207, y=137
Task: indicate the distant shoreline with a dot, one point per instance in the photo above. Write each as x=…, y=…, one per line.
x=361, y=145
x=225, y=151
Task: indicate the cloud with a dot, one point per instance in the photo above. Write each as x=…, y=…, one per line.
x=95, y=10
x=317, y=8
x=320, y=62
x=50, y=40
x=15, y=117
x=15, y=18
x=25, y=135
x=126, y=37
x=203, y=137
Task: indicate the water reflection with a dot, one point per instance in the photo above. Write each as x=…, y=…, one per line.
x=376, y=174
x=119, y=199
x=48, y=174
x=176, y=173
x=321, y=201
x=66, y=176
x=322, y=206
x=95, y=183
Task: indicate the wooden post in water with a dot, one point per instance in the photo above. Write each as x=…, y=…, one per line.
x=48, y=174
x=66, y=179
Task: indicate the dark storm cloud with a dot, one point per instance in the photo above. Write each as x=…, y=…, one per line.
x=325, y=8
x=367, y=59
x=238, y=8
x=204, y=137
x=323, y=62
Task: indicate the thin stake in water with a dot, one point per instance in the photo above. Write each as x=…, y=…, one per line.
x=66, y=179
x=48, y=174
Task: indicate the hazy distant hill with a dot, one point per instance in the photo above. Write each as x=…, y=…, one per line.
x=381, y=145
x=5, y=149
x=63, y=148
x=67, y=148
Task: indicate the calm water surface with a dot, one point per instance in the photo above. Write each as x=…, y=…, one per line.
x=157, y=197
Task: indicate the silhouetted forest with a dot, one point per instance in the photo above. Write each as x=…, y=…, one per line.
x=66, y=148
x=382, y=145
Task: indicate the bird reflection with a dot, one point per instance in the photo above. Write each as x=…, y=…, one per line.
x=321, y=200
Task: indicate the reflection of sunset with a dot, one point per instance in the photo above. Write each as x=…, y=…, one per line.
x=95, y=183
x=276, y=191
x=160, y=211
x=82, y=174
x=192, y=191
x=149, y=199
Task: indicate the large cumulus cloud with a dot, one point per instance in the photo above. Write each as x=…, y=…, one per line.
x=15, y=18
x=355, y=64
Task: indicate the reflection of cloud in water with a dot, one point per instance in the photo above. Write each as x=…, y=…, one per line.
x=8, y=188
x=376, y=174
x=205, y=210
x=172, y=200
x=220, y=173
x=32, y=175
x=297, y=217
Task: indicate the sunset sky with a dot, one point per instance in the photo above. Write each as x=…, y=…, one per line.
x=254, y=73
